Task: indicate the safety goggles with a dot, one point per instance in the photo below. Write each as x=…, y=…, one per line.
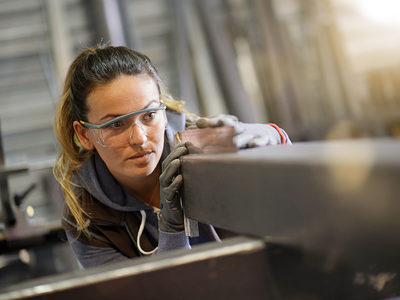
x=118, y=131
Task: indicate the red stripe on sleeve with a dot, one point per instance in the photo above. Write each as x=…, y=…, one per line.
x=283, y=138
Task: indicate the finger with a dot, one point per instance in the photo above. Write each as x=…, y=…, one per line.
x=242, y=140
x=192, y=149
x=259, y=141
x=172, y=192
x=176, y=184
x=191, y=126
x=207, y=122
x=171, y=170
x=192, y=119
x=227, y=120
x=232, y=117
x=238, y=126
x=177, y=152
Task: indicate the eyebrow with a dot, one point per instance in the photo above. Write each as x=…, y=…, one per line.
x=117, y=115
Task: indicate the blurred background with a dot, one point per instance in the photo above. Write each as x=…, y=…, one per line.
x=321, y=69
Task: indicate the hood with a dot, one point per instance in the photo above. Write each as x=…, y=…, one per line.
x=95, y=177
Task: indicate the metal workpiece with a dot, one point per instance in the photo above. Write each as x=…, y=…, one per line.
x=236, y=268
x=337, y=197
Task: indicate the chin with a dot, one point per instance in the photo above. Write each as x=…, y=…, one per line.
x=141, y=170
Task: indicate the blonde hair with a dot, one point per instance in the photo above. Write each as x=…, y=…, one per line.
x=93, y=67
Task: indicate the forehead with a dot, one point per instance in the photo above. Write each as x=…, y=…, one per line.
x=123, y=95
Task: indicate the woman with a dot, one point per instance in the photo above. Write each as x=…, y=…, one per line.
x=118, y=167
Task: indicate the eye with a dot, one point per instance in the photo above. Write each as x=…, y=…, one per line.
x=117, y=124
x=150, y=115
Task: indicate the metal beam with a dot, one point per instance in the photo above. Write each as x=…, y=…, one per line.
x=339, y=198
x=107, y=18
x=320, y=196
x=6, y=208
x=60, y=41
x=182, y=55
x=225, y=62
x=236, y=268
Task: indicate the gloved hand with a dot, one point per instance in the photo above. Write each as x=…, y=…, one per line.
x=193, y=121
x=256, y=135
x=248, y=135
x=217, y=121
x=171, y=214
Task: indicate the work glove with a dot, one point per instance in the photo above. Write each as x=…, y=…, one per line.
x=248, y=135
x=256, y=135
x=171, y=213
x=193, y=121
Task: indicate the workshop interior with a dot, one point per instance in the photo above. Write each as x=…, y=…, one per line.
x=320, y=219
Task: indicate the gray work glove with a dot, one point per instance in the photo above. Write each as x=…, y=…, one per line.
x=248, y=135
x=171, y=214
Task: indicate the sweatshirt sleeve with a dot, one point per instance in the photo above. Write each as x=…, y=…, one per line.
x=171, y=241
x=288, y=141
x=91, y=256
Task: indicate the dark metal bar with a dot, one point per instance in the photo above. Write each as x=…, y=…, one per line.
x=339, y=198
x=8, y=213
x=234, y=269
x=7, y=171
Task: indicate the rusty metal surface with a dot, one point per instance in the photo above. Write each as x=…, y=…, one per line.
x=339, y=198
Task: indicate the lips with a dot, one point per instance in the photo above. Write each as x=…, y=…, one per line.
x=140, y=154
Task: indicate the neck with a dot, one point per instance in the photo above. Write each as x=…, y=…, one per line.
x=147, y=189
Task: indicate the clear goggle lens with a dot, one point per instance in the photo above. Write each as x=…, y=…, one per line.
x=119, y=132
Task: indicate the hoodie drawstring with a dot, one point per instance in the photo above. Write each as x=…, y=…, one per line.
x=142, y=223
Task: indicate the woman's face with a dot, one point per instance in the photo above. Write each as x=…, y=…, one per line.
x=138, y=153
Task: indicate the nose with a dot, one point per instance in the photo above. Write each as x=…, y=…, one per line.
x=138, y=134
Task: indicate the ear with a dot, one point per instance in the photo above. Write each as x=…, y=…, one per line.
x=83, y=136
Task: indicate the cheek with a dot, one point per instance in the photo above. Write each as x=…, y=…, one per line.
x=157, y=135
x=158, y=139
x=110, y=156
x=105, y=156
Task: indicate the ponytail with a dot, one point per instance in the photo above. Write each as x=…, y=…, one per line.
x=71, y=156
